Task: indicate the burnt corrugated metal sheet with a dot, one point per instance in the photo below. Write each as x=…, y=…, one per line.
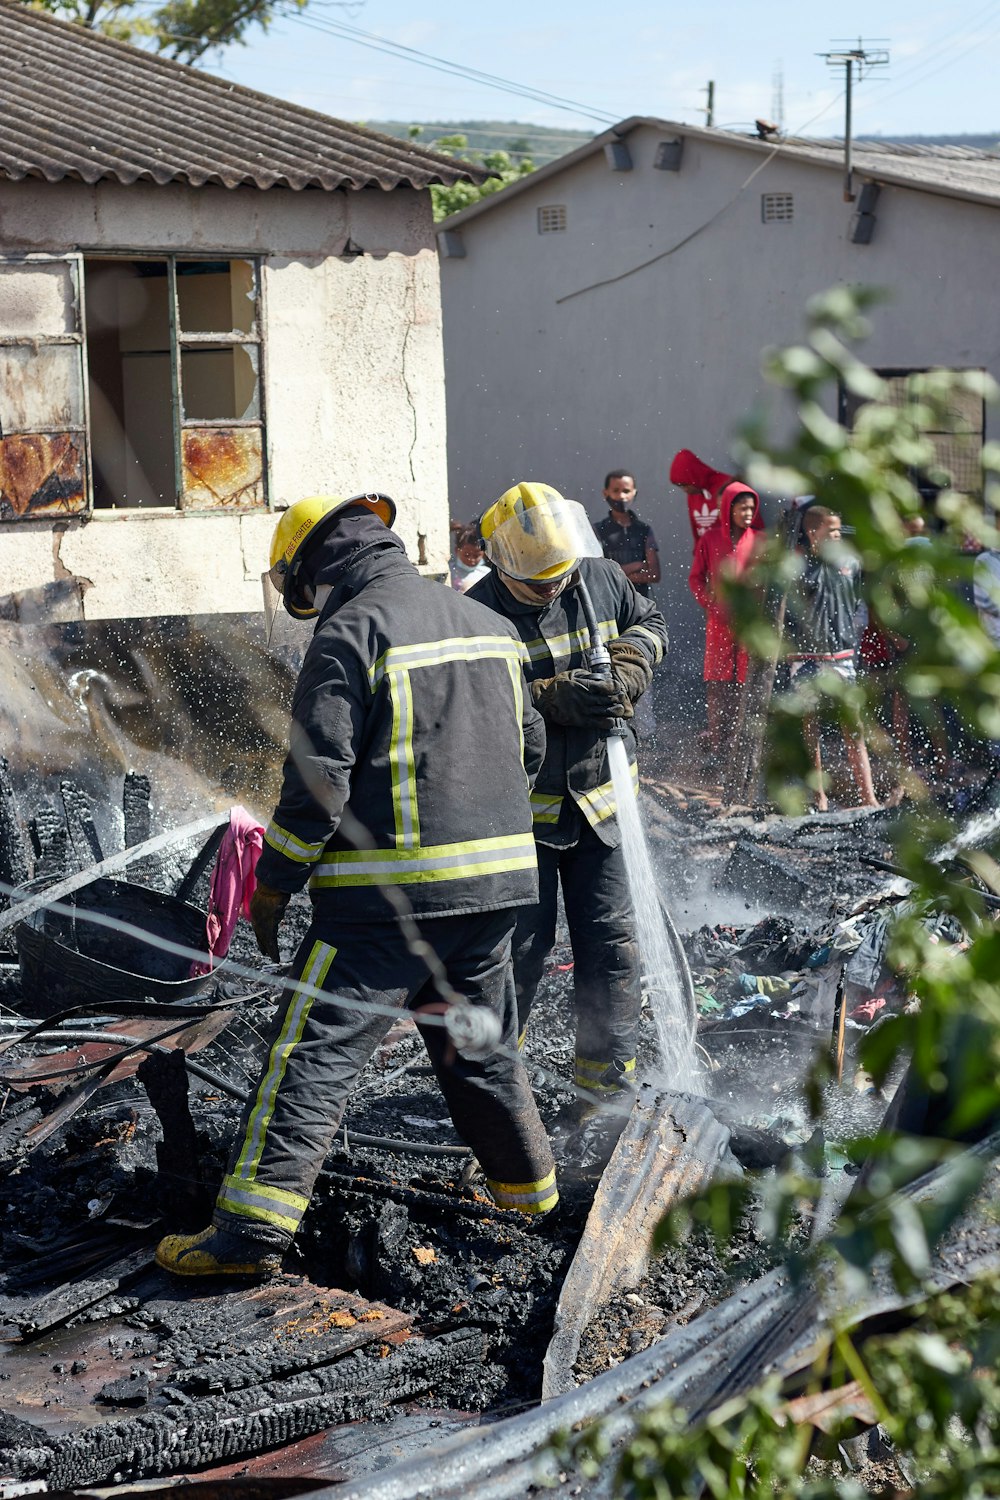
x=671, y=1148
x=79, y=105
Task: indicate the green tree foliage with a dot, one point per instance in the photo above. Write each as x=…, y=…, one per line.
x=448, y=200
x=180, y=29
x=934, y=1387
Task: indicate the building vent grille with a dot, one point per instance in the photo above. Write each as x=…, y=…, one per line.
x=777, y=208
x=552, y=218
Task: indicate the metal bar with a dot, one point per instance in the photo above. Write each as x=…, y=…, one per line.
x=176, y=390
x=32, y=341
x=232, y=337
x=848, y=80
x=223, y=424
x=79, y=271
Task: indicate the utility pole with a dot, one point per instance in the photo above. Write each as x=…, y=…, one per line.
x=709, y=92
x=853, y=58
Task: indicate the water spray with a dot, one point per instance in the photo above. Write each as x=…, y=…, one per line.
x=671, y=994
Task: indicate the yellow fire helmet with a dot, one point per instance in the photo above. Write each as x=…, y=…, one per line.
x=306, y=522
x=533, y=532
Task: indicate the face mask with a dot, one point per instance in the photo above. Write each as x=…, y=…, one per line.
x=525, y=594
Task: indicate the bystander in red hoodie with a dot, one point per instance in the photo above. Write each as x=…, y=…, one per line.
x=703, y=486
x=725, y=549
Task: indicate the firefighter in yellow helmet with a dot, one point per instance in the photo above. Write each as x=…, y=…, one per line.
x=375, y=807
x=542, y=547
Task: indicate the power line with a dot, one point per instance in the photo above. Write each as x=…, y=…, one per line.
x=361, y=38
x=947, y=40
x=926, y=73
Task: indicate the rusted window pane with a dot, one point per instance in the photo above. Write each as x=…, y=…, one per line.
x=222, y=468
x=219, y=383
x=40, y=475
x=40, y=387
x=37, y=300
x=216, y=296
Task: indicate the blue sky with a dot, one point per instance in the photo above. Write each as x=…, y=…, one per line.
x=638, y=58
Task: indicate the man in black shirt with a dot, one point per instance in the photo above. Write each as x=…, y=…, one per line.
x=625, y=538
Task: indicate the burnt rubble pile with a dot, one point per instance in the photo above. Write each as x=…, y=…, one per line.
x=407, y=1290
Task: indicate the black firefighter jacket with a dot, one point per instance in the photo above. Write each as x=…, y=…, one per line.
x=409, y=718
x=575, y=778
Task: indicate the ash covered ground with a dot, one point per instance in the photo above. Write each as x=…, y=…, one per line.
x=405, y=1229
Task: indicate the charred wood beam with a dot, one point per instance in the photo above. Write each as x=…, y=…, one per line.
x=80, y=824
x=135, y=806
x=186, y=1198
x=15, y=867
x=226, y=1428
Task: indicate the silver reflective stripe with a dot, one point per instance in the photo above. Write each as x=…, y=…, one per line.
x=529, y=1197
x=404, y=784
x=545, y=809
x=291, y=847
x=283, y=1210
x=566, y=644
x=455, y=857
x=434, y=653
x=654, y=641
x=296, y=1015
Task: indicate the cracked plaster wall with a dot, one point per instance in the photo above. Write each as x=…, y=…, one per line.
x=353, y=382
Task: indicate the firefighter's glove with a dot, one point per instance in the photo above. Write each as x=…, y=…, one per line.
x=579, y=699
x=630, y=670
x=267, y=907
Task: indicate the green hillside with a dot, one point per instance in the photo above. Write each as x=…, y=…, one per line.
x=541, y=143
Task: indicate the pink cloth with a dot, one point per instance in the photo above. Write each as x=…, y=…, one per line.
x=234, y=881
x=868, y=1009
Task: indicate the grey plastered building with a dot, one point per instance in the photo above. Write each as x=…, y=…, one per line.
x=212, y=303
x=612, y=307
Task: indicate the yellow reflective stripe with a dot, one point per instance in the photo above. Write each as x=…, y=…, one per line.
x=589, y=1067
x=590, y=1075
x=436, y=862
x=431, y=856
x=528, y=1197
x=401, y=767
x=291, y=847
x=654, y=641
x=296, y=1015
x=517, y=687
x=599, y=803
x=544, y=808
x=570, y=641
x=262, y=1204
x=434, y=653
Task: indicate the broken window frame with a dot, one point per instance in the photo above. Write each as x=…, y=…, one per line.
x=81, y=433
x=73, y=338
x=181, y=341
x=848, y=406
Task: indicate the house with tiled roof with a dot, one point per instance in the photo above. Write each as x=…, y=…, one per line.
x=212, y=303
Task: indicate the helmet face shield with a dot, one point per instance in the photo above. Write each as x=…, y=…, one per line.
x=271, y=588
x=543, y=541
